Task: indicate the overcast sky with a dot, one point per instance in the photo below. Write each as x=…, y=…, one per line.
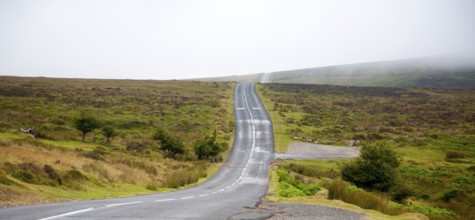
x=176, y=39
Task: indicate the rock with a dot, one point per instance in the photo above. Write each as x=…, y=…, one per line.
x=350, y=143
x=252, y=215
x=323, y=192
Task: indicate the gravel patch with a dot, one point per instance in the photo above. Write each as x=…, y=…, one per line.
x=294, y=211
x=299, y=150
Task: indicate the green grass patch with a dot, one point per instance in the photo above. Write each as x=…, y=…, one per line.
x=289, y=186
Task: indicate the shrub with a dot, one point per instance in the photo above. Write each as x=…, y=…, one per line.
x=24, y=172
x=74, y=176
x=288, y=190
x=449, y=195
x=108, y=132
x=5, y=181
x=185, y=176
x=400, y=192
x=454, y=154
x=433, y=211
x=208, y=147
x=289, y=186
x=170, y=145
x=86, y=124
x=52, y=174
x=151, y=186
x=374, y=169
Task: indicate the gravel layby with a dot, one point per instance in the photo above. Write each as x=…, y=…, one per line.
x=299, y=150
x=293, y=211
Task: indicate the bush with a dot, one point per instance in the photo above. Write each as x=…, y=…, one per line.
x=5, y=181
x=52, y=174
x=400, y=193
x=108, y=132
x=208, y=147
x=170, y=145
x=289, y=186
x=449, y=195
x=22, y=172
x=185, y=176
x=288, y=190
x=374, y=169
x=151, y=186
x=74, y=176
x=454, y=154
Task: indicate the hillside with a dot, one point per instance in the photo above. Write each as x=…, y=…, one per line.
x=432, y=131
x=430, y=72
x=235, y=78
x=52, y=163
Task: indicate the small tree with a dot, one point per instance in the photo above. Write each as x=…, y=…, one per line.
x=208, y=147
x=108, y=132
x=170, y=145
x=86, y=124
x=375, y=169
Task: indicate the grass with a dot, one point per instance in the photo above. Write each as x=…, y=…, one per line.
x=320, y=198
x=341, y=190
x=432, y=130
x=281, y=138
x=62, y=167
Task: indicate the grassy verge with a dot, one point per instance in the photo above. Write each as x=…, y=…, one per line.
x=281, y=137
x=321, y=197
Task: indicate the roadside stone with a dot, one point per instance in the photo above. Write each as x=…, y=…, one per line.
x=252, y=215
x=350, y=143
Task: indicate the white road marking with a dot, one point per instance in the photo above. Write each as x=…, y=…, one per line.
x=164, y=200
x=126, y=203
x=253, y=148
x=67, y=214
x=257, y=121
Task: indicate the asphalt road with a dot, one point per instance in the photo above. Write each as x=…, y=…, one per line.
x=265, y=78
x=240, y=183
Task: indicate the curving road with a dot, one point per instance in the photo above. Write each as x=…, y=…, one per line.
x=240, y=183
x=265, y=78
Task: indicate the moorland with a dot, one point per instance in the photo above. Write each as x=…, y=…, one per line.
x=428, y=133
x=72, y=139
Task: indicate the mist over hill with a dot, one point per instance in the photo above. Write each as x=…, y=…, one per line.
x=454, y=72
